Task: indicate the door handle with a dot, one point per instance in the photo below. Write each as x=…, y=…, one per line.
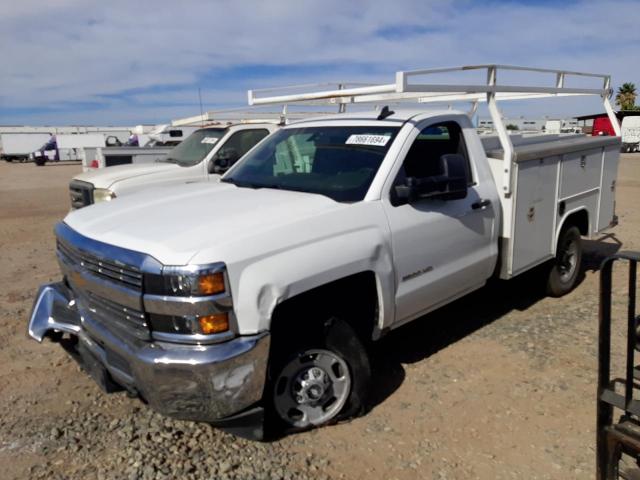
x=481, y=204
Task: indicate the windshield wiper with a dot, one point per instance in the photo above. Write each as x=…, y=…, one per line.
x=167, y=160
x=241, y=183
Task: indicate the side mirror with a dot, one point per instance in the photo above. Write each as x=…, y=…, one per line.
x=451, y=184
x=223, y=160
x=112, y=141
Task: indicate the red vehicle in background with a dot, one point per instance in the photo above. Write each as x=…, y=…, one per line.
x=602, y=126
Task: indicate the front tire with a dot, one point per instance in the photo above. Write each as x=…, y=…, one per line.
x=322, y=378
x=565, y=269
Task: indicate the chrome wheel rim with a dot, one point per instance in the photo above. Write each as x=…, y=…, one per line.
x=312, y=388
x=568, y=261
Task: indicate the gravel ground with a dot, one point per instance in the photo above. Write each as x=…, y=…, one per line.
x=499, y=385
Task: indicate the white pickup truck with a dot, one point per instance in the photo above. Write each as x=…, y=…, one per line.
x=219, y=301
x=207, y=151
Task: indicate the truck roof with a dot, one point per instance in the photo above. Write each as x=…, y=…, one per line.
x=398, y=115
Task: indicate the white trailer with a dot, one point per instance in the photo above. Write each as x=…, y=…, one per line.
x=166, y=135
x=631, y=134
x=18, y=146
x=71, y=146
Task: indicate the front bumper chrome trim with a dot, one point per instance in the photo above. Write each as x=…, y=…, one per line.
x=194, y=338
x=191, y=382
x=54, y=309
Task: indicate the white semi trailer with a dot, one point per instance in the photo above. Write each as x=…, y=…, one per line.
x=631, y=134
x=17, y=146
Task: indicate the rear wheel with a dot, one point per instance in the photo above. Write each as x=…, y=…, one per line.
x=40, y=161
x=565, y=269
x=321, y=379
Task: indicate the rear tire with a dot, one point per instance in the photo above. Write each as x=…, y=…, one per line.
x=322, y=375
x=40, y=161
x=565, y=268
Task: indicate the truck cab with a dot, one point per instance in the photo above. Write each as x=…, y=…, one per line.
x=47, y=152
x=206, y=153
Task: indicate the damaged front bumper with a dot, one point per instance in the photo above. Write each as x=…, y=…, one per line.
x=207, y=383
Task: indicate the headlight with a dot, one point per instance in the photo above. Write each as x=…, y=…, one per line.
x=189, y=282
x=103, y=195
x=190, y=324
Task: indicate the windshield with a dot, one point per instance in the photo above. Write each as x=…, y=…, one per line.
x=50, y=145
x=338, y=162
x=195, y=147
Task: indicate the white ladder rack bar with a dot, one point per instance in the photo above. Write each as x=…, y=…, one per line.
x=244, y=116
x=491, y=92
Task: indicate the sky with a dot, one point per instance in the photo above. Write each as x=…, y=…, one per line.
x=125, y=63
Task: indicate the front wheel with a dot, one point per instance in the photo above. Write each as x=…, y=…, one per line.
x=565, y=269
x=323, y=379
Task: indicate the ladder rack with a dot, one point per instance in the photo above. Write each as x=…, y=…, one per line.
x=406, y=88
x=243, y=116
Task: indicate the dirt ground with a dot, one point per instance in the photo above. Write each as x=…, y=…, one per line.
x=499, y=385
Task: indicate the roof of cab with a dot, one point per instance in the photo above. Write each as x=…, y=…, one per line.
x=399, y=115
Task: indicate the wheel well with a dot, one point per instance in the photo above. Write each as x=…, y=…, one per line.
x=579, y=219
x=354, y=299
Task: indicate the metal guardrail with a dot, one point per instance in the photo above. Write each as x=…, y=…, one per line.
x=615, y=438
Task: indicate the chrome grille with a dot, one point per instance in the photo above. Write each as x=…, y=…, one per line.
x=81, y=194
x=111, y=270
x=125, y=319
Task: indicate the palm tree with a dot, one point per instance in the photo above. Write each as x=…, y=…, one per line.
x=626, y=96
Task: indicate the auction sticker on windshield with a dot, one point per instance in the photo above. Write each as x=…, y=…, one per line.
x=365, y=139
x=210, y=140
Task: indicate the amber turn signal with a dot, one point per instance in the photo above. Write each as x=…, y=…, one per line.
x=216, y=323
x=211, y=283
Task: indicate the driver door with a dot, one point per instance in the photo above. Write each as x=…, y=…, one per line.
x=441, y=248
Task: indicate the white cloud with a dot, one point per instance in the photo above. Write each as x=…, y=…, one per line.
x=73, y=60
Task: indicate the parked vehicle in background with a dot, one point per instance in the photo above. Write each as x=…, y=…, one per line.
x=219, y=301
x=208, y=151
x=165, y=136
x=18, y=146
x=561, y=126
x=99, y=158
x=602, y=126
x=631, y=134
x=70, y=146
x=553, y=126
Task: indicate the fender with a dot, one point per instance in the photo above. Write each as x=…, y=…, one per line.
x=270, y=281
x=566, y=216
x=272, y=262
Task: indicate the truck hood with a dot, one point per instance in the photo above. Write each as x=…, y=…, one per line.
x=174, y=224
x=106, y=177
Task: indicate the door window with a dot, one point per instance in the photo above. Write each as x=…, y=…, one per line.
x=423, y=158
x=243, y=141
